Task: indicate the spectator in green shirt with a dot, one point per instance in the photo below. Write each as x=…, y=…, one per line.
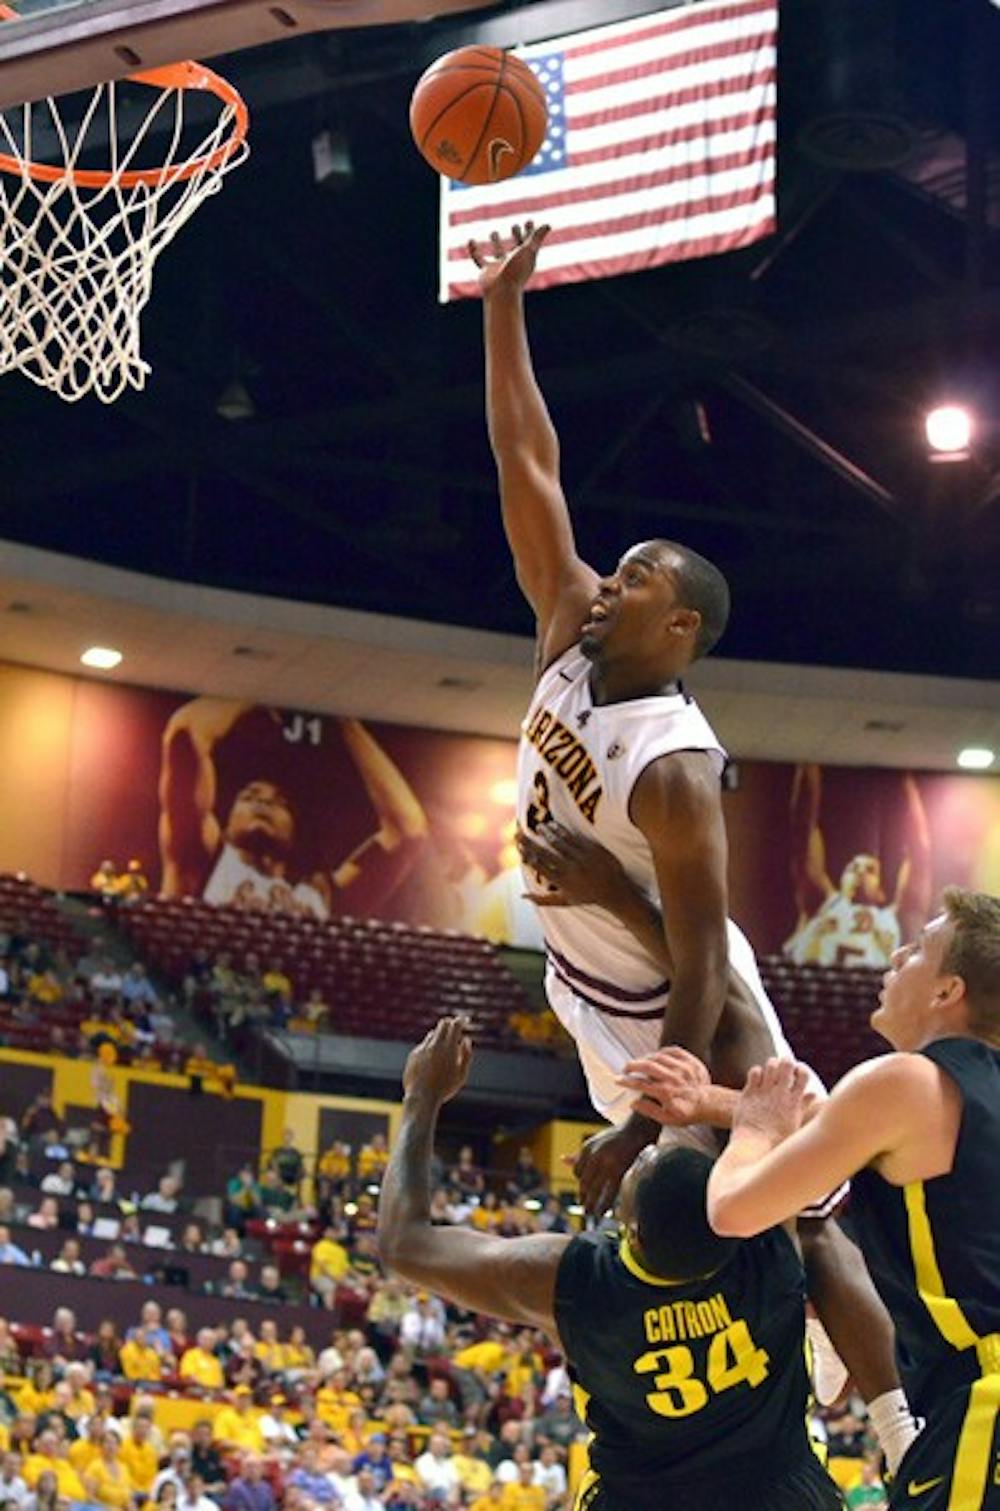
x=871, y=1491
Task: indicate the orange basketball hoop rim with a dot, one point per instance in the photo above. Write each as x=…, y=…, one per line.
x=173, y=76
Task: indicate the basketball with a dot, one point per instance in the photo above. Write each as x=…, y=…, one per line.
x=478, y=114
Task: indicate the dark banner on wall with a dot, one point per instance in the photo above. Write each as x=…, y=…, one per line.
x=290, y=811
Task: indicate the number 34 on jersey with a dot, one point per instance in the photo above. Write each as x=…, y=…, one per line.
x=682, y=1383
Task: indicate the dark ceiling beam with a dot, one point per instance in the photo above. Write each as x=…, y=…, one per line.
x=282, y=441
x=875, y=216
x=814, y=445
x=603, y=500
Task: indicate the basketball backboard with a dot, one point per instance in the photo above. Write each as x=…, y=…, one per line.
x=53, y=47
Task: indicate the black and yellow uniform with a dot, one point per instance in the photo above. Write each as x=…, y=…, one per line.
x=933, y=1248
x=696, y=1392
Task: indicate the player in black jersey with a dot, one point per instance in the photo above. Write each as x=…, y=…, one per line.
x=920, y=1132
x=688, y=1347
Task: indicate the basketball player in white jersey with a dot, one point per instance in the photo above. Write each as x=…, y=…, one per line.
x=245, y=860
x=613, y=748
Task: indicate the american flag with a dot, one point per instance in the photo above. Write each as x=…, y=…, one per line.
x=660, y=147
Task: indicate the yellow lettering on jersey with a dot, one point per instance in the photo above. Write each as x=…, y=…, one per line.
x=732, y=1358
x=561, y=749
x=678, y=1320
x=589, y=805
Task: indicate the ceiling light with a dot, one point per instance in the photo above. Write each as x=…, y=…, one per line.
x=949, y=431
x=235, y=402
x=101, y=657
x=976, y=758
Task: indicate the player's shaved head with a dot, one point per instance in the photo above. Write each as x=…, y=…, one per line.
x=670, y=1219
x=700, y=586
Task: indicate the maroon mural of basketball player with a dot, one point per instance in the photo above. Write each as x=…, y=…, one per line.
x=245, y=858
x=854, y=922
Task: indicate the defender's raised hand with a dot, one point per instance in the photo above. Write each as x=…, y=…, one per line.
x=439, y=1065
x=775, y=1100
x=508, y=267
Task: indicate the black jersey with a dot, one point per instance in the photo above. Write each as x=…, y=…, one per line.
x=695, y=1383
x=933, y=1247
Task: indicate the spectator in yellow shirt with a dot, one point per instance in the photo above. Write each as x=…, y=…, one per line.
x=199, y=1364
x=328, y=1265
x=87, y=1448
x=335, y=1164
x=276, y=983
x=474, y=1473
x=49, y=1454
x=299, y=1356
x=485, y=1358
x=236, y=1429
x=107, y=1480
x=140, y=1358
x=403, y=1472
x=522, y=1365
x=372, y=1160
x=488, y=1216
x=523, y=1494
x=105, y=879
x=335, y=1402
x=490, y=1500
x=80, y=1402
x=44, y=987
x=36, y=1394
x=139, y=1456
x=268, y=1348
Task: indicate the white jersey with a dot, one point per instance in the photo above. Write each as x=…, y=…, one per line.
x=579, y=763
x=842, y=932
x=236, y=884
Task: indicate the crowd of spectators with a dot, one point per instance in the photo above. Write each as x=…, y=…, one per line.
x=230, y=995
x=389, y=1414
x=293, y=1231
x=87, y=1003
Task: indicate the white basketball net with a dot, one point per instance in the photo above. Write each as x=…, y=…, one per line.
x=77, y=252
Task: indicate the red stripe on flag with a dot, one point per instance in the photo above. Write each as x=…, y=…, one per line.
x=649, y=103
x=594, y=192
x=643, y=219
x=685, y=17
x=636, y=262
x=634, y=71
x=580, y=159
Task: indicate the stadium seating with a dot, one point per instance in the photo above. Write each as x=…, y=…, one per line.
x=382, y=980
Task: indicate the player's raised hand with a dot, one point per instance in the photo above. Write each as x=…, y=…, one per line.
x=774, y=1100
x=502, y=266
x=439, y=1065
x=603, y=1161
x=670, y=1086
x=577, y=870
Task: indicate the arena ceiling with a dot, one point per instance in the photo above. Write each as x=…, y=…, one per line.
x=765, y=407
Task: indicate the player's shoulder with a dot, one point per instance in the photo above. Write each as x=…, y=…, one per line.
x=566, y=666
x=897, y=1089
x=681, y=780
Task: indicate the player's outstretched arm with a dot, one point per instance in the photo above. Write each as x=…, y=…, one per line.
x=900, y=1114
x=557, y=584
x=189, y=830
x=510, y=1278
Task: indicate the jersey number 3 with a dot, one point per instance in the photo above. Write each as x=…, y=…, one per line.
x=733, y=1359
x=539, y=812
